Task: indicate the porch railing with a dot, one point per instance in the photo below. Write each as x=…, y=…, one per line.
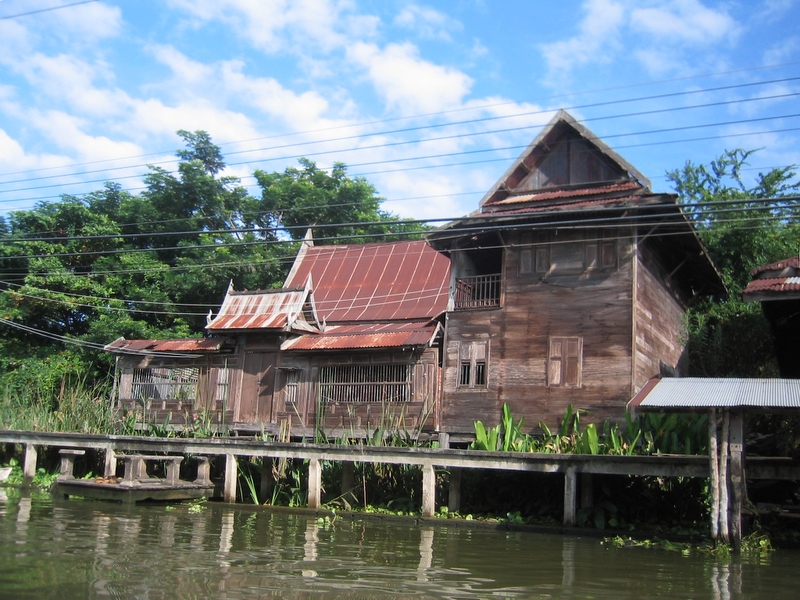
x=482, y=291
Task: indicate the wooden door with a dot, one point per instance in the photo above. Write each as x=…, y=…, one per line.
x=258, y=387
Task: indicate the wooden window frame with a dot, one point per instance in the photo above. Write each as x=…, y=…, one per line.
x=473, y=364
x=565, y=361
x=366, y=384
x=600, y=253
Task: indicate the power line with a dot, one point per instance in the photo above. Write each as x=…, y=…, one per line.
x=437, y=139
x=43, y=10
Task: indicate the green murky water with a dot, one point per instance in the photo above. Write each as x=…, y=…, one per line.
x=54, y=548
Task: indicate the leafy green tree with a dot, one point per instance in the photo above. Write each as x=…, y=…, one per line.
x=743, y=226
x=309, y=197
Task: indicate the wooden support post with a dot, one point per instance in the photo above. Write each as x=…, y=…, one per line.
x=737, y=478
x=444, y=440
x=454, y=497
x=29, y=466
x=231, y=474
x=428, y=490
x=713, y=458
x=314, y=483
x=587, y=490
x=570, y=488
x=724, y=502
x=110, y=467
x=348, y=481
x=267, y=479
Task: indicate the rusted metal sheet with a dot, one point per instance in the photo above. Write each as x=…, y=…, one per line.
x=571, y=193
x=776, y=286
x=271, y=309
x=688, y=393
x=375, y=282
x=371, y=336
x=212, y=344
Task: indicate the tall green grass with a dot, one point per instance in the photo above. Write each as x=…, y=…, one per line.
x=78, y=407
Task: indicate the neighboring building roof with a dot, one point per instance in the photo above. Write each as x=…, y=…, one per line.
x=209, y=344
x=775, y=281
x=282, y=310
x=377, y=282
x=365, y=336
x=699, y=393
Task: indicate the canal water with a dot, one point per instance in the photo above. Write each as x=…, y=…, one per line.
x=63, y=549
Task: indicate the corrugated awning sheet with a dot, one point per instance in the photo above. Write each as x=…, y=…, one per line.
x=271, y=309
x=375, y=282
x=375, y=335
x=686, y=393
x=212, y=344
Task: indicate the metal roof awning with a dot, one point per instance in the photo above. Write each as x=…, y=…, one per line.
x=368, y=336
x=705, y=393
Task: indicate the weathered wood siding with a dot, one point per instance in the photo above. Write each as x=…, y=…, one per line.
x=660, y=308
x=212, y=403
x=594, y=307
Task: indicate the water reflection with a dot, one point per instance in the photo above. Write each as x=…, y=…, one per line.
x=96, y=550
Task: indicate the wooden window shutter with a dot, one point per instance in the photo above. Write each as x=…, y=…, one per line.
x=554, y=369
x=571, y=362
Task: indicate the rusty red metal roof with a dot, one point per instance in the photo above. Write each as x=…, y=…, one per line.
x=210, y=344
x=375, y=282
x=773, y=285
x=787, y=263
x=262, y=309
x=376, y=335
x=775, y=281
x=582, y=192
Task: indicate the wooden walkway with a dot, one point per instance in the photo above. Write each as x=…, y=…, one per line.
x=570, y=466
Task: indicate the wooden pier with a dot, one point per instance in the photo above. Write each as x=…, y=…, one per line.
x=572, y=467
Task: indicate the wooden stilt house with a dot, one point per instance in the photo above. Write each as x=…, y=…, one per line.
x=351, y=344
x=568, y=286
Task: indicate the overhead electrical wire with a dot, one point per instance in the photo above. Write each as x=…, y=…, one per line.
x=470, y=134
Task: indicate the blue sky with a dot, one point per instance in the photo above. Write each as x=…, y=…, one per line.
x=429, y=101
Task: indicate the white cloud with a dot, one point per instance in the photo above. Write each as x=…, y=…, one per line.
x=427, y=22
x=685, y=21
x=271, y=26
x=84, y=23
x=408, y=83
x=68, y=132
x=598, y=30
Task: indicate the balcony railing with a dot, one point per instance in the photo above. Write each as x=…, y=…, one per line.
x=482, y=291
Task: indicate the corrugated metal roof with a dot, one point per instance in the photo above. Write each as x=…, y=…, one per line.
x=787, y=263
x=570, y=193
x=270, y=309
x=773, y=285
x=211, y=344
x=692, y=393
x=382, y=335
x=375, y=282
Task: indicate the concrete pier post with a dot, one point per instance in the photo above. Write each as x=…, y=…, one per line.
x=110, y=466
x=314, y=483
x=231, y=474
x=348, y=481
x=428, y=490
x=570, y=489
x=29, y=466
x=454, y=497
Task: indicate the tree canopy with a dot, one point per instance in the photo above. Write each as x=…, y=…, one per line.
x=78, y=273
x=743, y=226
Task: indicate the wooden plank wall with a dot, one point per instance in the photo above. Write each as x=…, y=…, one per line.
x=596, y=307
x=356, y=419
x=659, y=319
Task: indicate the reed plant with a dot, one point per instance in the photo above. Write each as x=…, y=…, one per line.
x=75, y=406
